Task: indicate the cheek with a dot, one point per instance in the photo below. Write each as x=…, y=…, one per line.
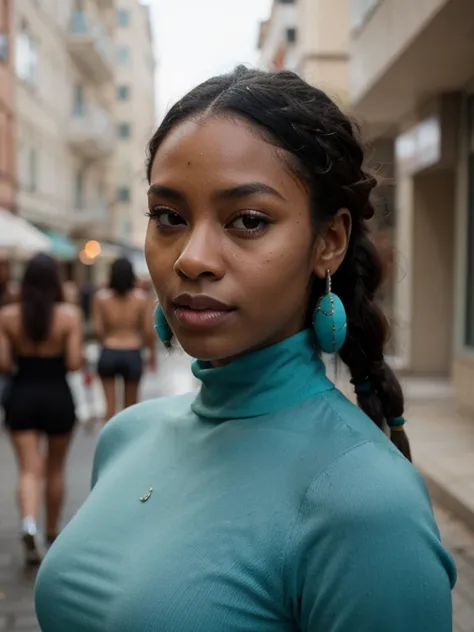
x=159, y=260
x=279, y=276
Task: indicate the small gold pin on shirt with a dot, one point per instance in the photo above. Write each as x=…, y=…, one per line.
x=144, y=498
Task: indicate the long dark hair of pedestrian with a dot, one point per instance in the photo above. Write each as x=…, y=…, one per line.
x=122, y=277
x=325, y=154
x=41, y=289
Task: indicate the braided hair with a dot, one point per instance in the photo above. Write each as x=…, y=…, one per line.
x=326, y=154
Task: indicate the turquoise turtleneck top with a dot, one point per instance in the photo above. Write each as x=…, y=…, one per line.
x=276, y=506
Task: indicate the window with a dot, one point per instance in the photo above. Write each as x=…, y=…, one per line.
x=33, y=170
x=469, y=332
x=123, y=55
x=26, y=56
x=3, y=47
x=469, y=315
x=123, y=194
x=79, y=190
x=291, y=36
x=78, y=107
x=124, y=130
x=123, y=93
x=123, y=17
x=361, y=11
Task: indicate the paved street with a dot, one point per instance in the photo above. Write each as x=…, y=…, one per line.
x=16, y=607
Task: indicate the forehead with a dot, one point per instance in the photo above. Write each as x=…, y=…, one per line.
x=215, y=148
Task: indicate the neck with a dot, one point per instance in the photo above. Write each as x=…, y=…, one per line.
x=262, y=381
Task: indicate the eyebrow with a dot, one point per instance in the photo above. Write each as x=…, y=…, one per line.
x=166, y=192
x=234, y=193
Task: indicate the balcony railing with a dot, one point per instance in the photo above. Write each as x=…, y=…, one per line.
x=92, y=218
x=90, y=46
x=91, y=132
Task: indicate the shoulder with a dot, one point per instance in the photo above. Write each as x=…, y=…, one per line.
x=371, y=483
x=367, y=527
x=139, y=295
x=121, y=432
x=103, y=295
x=70, y=313
x=359, y=479
x=9, y=316
x=9, y=312
x=364, y=463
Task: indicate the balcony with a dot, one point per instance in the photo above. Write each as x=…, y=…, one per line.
x=406, y=52
x=91, y=133
x=92, y=220
x=91, y=47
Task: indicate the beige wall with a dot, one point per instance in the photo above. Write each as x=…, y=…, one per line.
x=433, y=264
x=330, y=75
x=463, y=381
x=323, y=48
x=385, y=35
x=424, y=268
x=139, y=111
x=45, y=111
x=7, y=137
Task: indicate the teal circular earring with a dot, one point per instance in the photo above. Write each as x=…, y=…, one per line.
x=162, y=328
x=330, y=321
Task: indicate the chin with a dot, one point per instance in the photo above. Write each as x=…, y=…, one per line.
x=210, y=348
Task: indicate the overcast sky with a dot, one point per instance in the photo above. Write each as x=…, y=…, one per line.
x=196, y=39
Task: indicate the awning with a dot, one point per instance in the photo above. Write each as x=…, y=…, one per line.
x=19, y=239
x=63, y=248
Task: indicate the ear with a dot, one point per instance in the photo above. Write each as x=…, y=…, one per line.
x=332, y=244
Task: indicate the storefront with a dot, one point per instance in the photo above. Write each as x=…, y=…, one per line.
x=463, y=366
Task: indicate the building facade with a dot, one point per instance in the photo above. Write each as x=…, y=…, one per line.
x=135, y=115
x=310, y=37
x=65, y=129
x=7, y=132
x=412, y=85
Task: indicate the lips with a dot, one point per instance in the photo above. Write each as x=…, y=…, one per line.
x=200, y=302
x=200, y=311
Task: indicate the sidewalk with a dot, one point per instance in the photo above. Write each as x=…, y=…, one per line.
x=442, y=441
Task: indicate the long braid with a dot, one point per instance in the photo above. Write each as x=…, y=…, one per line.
x=357, y=283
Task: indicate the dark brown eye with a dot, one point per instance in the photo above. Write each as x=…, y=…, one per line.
x=250, y=222
x=166, y=218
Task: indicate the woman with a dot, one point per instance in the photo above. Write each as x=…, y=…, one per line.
x=41, y=340
x=267, y=501
x=123, y=322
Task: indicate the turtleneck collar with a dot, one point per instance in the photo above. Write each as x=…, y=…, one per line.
x=261, y=382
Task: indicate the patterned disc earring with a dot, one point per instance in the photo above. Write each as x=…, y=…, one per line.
x=161, y=326
x=330, y=321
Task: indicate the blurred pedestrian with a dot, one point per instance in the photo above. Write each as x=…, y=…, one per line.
x=41, y=340
x=266, y=501
x=123, y=323
x=71, y=292
x=7, y=291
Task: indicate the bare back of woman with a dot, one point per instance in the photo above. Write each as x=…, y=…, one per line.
x=123, y=323
x=41, y=340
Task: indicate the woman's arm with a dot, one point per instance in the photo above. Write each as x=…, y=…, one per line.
x=97, y=318
x=6, y=356
x=74, y=341
x=149, y=335
x=370, y=557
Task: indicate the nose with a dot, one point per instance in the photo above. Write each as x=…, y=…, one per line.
x=201, y=256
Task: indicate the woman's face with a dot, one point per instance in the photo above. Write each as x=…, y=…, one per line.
x=229, y=246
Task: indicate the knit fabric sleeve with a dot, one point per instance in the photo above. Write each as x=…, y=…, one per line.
x=365, y=553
